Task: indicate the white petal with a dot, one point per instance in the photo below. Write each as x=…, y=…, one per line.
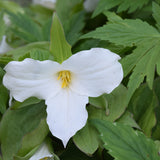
x=66, y=114
x=42, y=152
x=46, y=3
x=90, y=5
x=94, y=72
x=4, y=47
x=32, y=78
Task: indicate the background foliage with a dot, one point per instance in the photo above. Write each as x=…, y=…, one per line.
x=122, y=125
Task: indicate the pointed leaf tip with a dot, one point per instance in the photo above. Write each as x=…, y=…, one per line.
x=59, y=47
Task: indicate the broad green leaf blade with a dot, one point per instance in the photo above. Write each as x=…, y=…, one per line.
x=11, y=6
x=74, y=27
x=124, y=143
x=16, y=124
x=158, y=65
x=100, y=102
x=65, y=13
x=27, y=28
x=27, y=102
x=40, y=55
x=22, y=51
x=5, y=59
x=129, y=62
x=125, y=32
x=3, y=99
x=116, y=102
x=86, y=139
x=116, y=106
x=2, y=26
x=2, y=72
x=156, y=13
x=59, y=47
x=143, y=106
x=37, y=54
x=34, y=138
x=26, y=157
x=127, y=119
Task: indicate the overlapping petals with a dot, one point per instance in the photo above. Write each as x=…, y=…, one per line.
x=93, y=72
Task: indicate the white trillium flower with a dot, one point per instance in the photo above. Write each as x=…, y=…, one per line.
x=4, y=47
x=65, y=87
x=42, y=152
x=46, y=3
x=90, y=5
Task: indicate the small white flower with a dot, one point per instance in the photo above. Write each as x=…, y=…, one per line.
x=42, y=152
x=4, y=47
x=46, y=3
x=65, y=87
x=90, y=5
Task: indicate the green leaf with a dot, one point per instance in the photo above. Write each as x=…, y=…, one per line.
x=26, y=157
x=16, y=124
x=22, y=51
x=127, y=119
x=46, y=29
x=3, y=99
x=34, y=138
x=66, y=12
x=40, y=55
x=27, y=28
x=158, y=145
x=125, y=143
x=123, y=5
x=5, y=59
x=86, y=139
x=125, y=32
x=74, y=27
x=149, y=55
x=59, y=47
x=27, y=102
x=99, y=102
x=116, y=102
x=1, y=74
x=143, y=106
x=11, y=6
x=2, y=26
x=156, y=13
x=116, y=106
x=104, y=5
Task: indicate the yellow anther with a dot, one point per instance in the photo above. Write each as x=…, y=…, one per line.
x=65, y=77
x=45, y=158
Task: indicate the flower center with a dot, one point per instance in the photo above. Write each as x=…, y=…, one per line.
x=45, y=158
x=65, y=77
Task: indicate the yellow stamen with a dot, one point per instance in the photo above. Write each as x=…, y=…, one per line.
x=65, y=77
x=45, y=158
